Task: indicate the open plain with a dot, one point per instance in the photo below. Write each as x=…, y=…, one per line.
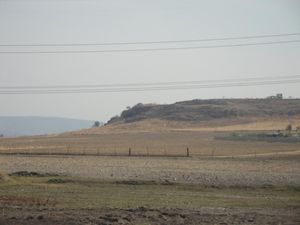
x=92, y=178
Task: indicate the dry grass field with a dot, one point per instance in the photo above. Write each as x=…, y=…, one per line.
x=87, y=177
x=162, y=143
x=33, y=198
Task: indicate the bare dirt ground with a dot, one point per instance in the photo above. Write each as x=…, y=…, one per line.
x=276, y=171
x=146, y=216
x=33, y=198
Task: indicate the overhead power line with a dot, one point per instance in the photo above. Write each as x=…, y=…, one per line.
x=154, y=87
x=149, y=49
x=150, y=42
x=170, y=83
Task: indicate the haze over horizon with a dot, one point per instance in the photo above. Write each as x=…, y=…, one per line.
x=33, y=22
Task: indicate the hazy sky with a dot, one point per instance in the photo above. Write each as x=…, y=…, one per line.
x=87, y=21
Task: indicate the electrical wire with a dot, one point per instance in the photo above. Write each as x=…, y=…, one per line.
x=150, y=49
x=268, y=78
x=150, y=42
x=151, y=88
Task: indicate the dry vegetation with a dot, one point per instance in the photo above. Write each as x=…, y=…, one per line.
x=42, y=199
x=200, y=144
x=210, y=110
x=221, y=182
x=3, y=178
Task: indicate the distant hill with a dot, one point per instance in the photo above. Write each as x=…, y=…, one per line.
x=32, y=125
x=209, y=110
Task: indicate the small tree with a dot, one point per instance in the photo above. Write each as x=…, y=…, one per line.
x=96, y=124
x=289, y=129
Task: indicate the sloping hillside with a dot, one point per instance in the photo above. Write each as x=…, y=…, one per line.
x=209, y=110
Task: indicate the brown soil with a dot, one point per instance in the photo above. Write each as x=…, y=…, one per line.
x=139, y=216
x=249, y=171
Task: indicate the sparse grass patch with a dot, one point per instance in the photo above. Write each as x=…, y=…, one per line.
x=4, y=178
x=99, y=194
x=31, y=174
x=59, y=181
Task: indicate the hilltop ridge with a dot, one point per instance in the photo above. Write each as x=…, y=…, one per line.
x=208, y=110
x=204, y=115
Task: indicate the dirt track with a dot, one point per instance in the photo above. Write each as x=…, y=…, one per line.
x=280, y=171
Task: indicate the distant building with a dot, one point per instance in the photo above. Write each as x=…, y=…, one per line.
x=277, y=96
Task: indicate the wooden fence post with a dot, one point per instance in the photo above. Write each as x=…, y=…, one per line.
x=129, y=152
x=187, y=152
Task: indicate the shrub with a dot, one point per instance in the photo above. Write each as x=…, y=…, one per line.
x=96, y=124
x=289, y=127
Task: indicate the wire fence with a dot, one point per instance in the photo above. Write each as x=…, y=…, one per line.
x=137, y=152
x=92, y=151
